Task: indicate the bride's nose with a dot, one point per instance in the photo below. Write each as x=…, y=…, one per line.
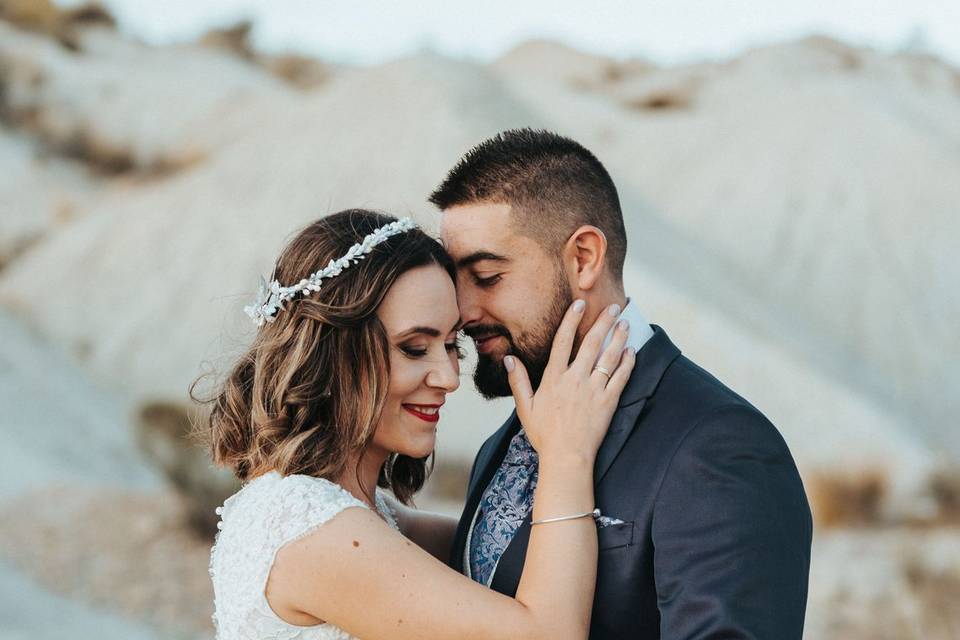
x=444, y=375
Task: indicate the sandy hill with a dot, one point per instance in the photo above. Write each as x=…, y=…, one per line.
x=790, y=226
x=121, y=105
x=811, y=181
x=58, y=426
x=765, y=201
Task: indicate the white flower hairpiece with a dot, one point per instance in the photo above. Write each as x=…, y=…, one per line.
x=270, y=297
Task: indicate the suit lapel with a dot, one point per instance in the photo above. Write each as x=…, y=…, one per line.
x=506, y=577
x=492, y=455
x=621, y=426
x=652, y=361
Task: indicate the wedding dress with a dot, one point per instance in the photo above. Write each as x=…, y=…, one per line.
x=266, y=514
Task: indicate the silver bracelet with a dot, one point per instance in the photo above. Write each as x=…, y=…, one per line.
x=593, y=514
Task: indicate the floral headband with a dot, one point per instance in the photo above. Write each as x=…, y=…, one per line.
x=270, y=297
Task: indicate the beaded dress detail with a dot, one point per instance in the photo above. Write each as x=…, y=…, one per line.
x=266, y=514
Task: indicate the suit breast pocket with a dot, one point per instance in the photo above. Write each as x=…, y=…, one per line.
x=615, y=536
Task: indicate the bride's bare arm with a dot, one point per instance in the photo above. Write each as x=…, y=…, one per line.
x=369, y=580
x=357, y=573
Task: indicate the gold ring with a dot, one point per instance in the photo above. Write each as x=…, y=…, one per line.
x=602, y=370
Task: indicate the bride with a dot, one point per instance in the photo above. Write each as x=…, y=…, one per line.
x=340, y=394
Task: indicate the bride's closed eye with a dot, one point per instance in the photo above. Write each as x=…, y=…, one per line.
x=420, y=351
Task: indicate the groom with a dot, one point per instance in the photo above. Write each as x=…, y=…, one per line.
x=708, y=529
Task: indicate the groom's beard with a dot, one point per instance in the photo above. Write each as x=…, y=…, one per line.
x=532, y=347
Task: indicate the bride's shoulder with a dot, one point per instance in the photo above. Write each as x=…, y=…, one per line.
x=290, y=505
x=292, y=487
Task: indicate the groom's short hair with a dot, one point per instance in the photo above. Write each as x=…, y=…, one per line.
x=553, y=185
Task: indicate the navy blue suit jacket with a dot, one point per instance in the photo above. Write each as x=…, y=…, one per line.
x=717, y=529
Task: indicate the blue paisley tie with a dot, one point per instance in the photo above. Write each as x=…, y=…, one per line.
x=503, y=508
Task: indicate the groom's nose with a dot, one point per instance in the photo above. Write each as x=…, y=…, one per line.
x=470, y=310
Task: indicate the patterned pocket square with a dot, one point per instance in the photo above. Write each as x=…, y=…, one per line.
x=605, y=521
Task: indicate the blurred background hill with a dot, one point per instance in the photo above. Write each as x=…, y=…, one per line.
x=792, y=219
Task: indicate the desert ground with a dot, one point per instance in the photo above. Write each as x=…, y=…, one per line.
x=792, y=219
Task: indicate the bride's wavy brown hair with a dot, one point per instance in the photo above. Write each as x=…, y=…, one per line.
x=310, y=390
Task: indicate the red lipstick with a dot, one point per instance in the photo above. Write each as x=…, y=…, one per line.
x=426, y=417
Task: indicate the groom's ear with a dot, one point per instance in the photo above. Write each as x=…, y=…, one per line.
x=584, y=256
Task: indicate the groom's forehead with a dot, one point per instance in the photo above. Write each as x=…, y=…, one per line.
x=468, y=228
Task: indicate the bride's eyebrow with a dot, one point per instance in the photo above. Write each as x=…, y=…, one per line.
x=426, y=331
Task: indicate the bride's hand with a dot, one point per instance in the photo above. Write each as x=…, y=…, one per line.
x=569, y=413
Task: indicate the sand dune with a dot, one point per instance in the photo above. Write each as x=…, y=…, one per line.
x=791, y=216
x=187, y=248
x=820, y=181
x=768, y=221
x=125, y=106
x=37, y=192
x=58, y=427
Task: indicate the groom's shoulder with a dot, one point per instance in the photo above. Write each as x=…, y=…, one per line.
x=690, y=398
x=699, y=388
x=705, y=428
x=675, y=385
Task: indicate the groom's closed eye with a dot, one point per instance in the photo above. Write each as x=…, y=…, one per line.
x=486, y=282
x=475, y=262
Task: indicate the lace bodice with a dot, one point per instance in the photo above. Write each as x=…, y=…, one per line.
x=256, y=522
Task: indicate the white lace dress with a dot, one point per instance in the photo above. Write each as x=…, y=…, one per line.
x=267, y=513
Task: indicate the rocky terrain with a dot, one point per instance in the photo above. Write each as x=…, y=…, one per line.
x=791, y=212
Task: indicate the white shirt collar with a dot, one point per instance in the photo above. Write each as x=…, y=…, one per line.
x=640, y=330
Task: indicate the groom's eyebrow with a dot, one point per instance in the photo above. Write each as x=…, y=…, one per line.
x=479, y=256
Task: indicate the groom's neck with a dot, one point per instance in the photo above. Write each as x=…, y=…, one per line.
x=598, y=301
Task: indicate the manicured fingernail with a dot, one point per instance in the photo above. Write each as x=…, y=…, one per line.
x=623, y=325
x=509, y=363
x=614, y=310
x=579, y=305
